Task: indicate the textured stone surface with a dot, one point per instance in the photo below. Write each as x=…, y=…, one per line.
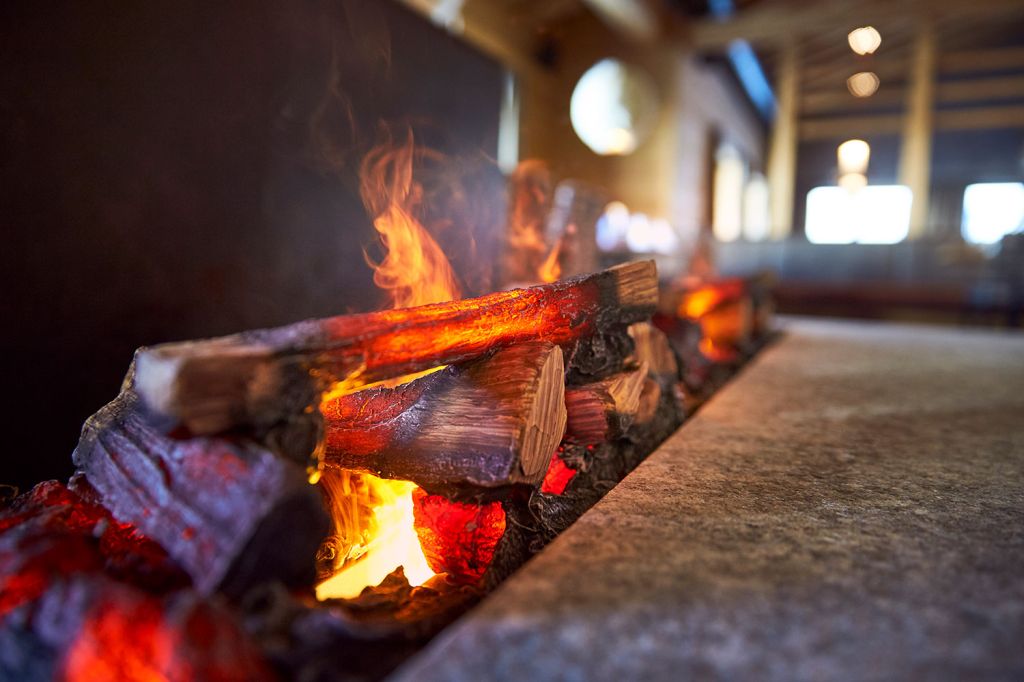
x=850, y=507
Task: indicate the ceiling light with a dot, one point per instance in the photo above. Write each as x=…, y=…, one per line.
x=862, y=84
x=864, y=40
x=853, y=157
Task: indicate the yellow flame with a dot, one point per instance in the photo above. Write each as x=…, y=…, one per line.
x=373, y=523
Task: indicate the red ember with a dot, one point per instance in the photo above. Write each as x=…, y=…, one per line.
x=558, y=477
x=458, y=538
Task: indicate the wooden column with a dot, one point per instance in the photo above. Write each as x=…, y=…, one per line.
x=918, y=126
x=783, y=150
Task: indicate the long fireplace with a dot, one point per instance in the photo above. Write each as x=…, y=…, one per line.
x=317, y=501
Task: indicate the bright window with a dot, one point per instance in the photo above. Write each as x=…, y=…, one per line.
x=727, y=199
x=991, y=210
x=876, y=214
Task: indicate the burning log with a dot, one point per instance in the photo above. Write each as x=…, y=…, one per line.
x=604, y=410
x=261, y=380
x=84, y=597
x=89, y=627
x=231, y=513
x=485, y=424
x=52, y=532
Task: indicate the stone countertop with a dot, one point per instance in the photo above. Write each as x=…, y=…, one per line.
x=850, y=507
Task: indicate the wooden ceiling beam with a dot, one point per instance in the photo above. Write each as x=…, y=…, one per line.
x=835, y=127
x=981, y=118
x=981, y=89
x=772, y=24
x=974, y=118
x=840, y=100
x=989, y=59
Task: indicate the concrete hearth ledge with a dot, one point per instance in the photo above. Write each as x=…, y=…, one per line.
x=850, y=507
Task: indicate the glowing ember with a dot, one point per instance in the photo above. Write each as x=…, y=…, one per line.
x=125, y=644
x=134, y=637
x=558, y=476
x=55, y=533
x=458, y=539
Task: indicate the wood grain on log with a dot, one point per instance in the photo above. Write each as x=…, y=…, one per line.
x=647, y=405
x=653, y=347
x=603, y=410
x=231, y=513
x=259, y=379
x=489, y=423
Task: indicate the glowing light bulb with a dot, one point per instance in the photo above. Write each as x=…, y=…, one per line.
x=864, y=40
x=863, y=84
x=853, y=156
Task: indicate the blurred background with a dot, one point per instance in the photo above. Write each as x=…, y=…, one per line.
x=188, y=169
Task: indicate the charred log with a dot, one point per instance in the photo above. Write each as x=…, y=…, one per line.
x=487, y=424
x=231, y=513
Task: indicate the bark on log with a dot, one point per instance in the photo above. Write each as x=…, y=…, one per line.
x=489, y=423
x=231, y=513
x=604, y=410
x=261, y=379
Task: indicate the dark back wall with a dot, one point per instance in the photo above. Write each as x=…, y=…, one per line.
x=185, y=169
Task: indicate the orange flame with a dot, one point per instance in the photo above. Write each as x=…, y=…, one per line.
x=551, y=269
x=527, y=256
x=374, y=524
x=698, y=302
x=415, y=271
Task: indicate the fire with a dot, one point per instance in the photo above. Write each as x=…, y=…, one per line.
x=551, y=269
x=414, y=271
x=527, y=256
x=702, y=300
x=374, y=533
x=374, y=523
x=725, y=314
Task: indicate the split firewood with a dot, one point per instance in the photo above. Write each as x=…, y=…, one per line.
x=653, y=347
x=648, y=403
x=230, y=512
x=489, y=423
x=604, y=410
x=261, y=379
